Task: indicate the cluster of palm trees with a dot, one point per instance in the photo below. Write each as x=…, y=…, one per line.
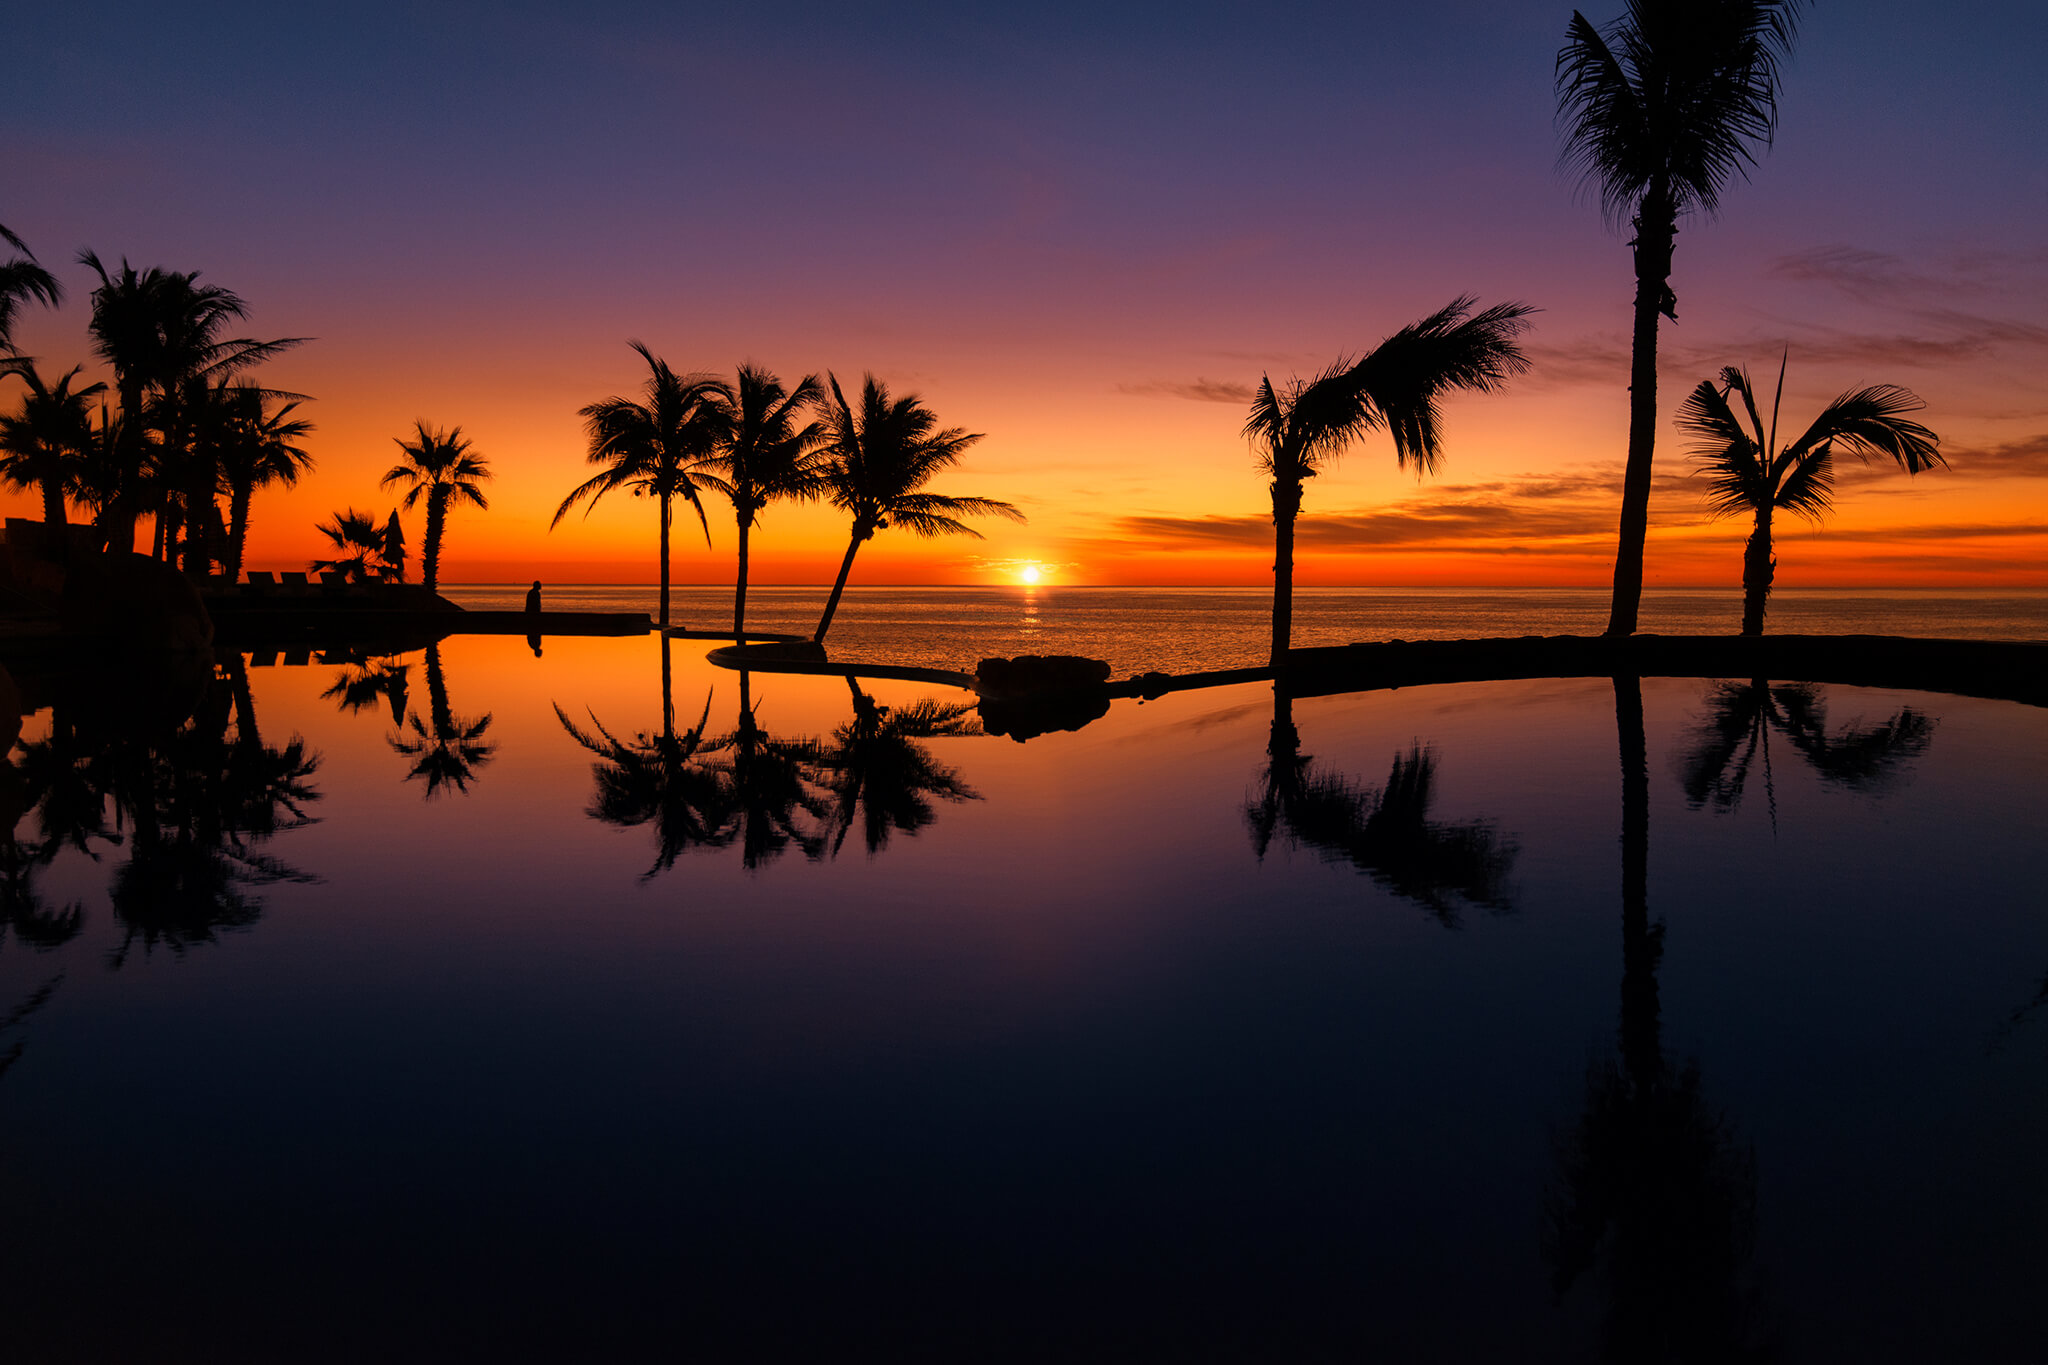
x=187, y=432
x=1660, y=110
x=756, y=442
x=441, y=469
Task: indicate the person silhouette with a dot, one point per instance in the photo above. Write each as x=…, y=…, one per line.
x=533, y=611
x=533, y=597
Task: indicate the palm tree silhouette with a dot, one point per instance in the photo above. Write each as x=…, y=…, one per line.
x=1302, y=428
x=1659, y=109
x=1733, y=739
x=447, y=749
x=876, y=460
x=659, y=448
x=661, y=780
x=1654, y=1185
x=880, y=777
x=440, y=466
x=1748, y=472
x=766, y=454
x=257, y=448
x=362, y=552
x=1385, y=833
x=160, y=332
x=44, y=445
x=22, y=278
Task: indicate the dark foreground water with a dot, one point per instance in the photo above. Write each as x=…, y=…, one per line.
x=1180, y=630
x=379, y=1011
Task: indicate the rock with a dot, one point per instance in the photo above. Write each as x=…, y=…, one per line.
x=1031, y=675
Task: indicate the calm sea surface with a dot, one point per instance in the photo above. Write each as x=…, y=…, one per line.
x=465, y=1004
x=1178, y=630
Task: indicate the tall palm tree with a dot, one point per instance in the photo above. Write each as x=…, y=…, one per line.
x=257, y=448
x=21, y=279
x=660, y=448
x=160, y=331
x=876, y=460
x=361, y=549
x=1301, y=429
x=1660, y=109
x=766, y=453
x=45, y=444
x=1748, y=472
x=441, y=467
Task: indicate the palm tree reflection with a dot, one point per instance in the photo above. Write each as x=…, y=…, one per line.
x=880, y=777
x=1734, y=738
x=446, y=749
x=1654, y=1187
x=199, y=806
x=765, y=794
x=367, y=682
x=1384, y=832
x=657, y=780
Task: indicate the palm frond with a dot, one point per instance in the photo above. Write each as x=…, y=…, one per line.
x=1872, y=421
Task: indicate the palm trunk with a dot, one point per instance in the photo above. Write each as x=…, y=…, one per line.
x=739, y=595
x=118, y=517
x=1759, y=567
x=238, y=528
x=438, y=709
x=839, y=586
x=1286, y=507
x=56, y=538
x=1656, y=229
x=664, y=560
x=437, y=522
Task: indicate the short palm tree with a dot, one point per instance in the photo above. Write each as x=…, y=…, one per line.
x=877, y=460
x=1747, y=472
x=1660, y=109
x=22, y=279
x=448, y=748
x=661, y=448
x=766, y=453
x=258, y=449
x=441, y=467
x=360, y=548
x=44, y=445
x=1301, y=429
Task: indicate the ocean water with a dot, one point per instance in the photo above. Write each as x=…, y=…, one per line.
x=1179, y=630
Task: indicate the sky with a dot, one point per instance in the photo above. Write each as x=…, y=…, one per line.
x=1084, y=231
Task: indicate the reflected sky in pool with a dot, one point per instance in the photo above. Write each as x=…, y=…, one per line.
x=1212, y=1030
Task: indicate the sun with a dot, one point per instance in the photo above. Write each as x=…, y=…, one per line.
x=1029, y=573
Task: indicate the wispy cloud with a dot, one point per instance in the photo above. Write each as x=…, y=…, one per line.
x=1201, y=390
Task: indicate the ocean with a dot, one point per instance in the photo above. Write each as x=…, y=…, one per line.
x=1178, y=630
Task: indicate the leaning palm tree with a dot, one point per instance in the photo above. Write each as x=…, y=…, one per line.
x=881, y=778
x=1747, y=472
x=1301, y=429
x=1659, y=110
x=258, y=448
x=22, y=279
x=876, y=460
x=44, y=445
x=766, y=453
x=660, y=448
x=441, y=467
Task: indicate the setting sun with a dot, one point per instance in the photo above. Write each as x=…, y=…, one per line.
x=1029, y=573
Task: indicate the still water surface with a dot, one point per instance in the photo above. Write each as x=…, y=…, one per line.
x=500, y=1019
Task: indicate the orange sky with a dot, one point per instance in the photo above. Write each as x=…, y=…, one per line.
x=1092, y=272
